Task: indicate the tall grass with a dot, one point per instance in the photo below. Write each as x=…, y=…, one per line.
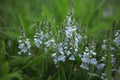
x=82, y=28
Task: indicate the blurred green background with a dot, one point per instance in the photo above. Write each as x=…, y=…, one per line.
x=97, y=14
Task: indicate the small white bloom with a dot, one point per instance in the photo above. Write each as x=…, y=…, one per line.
x=84, y=66
x=68, y=34
x=85, y=60
x=80, y=55
x=72, y=58
x=100, y=66
x=76, y=49
x=92, y=52
x=61, y=58
x=61, y=51
x=28, y=44
x=54, y=54
x=21, y=46
x=20, y=41
x=68, y=52
x=93, y=61
x=19, y=53
x=24, y=50
x=104, y=46
x=29, y=54
x=55, y=59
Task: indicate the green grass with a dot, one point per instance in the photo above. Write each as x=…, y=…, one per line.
x=89, y=15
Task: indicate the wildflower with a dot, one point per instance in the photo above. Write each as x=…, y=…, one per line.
x=117, y=37
x=61, y=58
x=93, y=61
x=100, y=66
x=88, y=58
x=104, y=46
x=24, y=43
x=85, y=60
x=38, y=39
x=54, y=54
x=67, y=52
x=72, y=58
x=79, y=37
x=24, y=46
x=84, y=66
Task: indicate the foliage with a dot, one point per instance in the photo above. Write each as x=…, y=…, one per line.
x=72, y=40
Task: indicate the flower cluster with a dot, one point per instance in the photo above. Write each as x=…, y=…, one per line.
x=24, y=44
x=88, y=58
x=117, y=38
x=42, y=38
x=68, y=48
x=104, y=46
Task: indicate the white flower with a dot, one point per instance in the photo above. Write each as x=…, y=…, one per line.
x=103, y=58
x=67, y=52
x=24, y=46
x=29, y=54
x=61, y=51
x=80, y=55
x=117, y=40
x=21, y=46
x=61, y=58
x=28, y=44
x=72, y=58
x=79, y=37
x=92, y=52
x=68, y=34
x=86, y=49
x=104, y=46
x=85, y=60
x=100, y=66
x=47, y=43
x=104, y=41
x=55, y=60
x=117, y=37
x=19, y=52
x=37, y=42
x=93, y=61
x=20, y=41
x=24, y=49
x=112, y=48
x=54, y=54
x=76, y=49
x=84, y=66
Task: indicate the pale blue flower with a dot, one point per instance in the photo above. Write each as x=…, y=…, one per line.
x=117, y=40
x=93, y=61
x=67, y=52
x=72, y=58
x=92, y=52
x=85, y=60
x=117, y=37
x=24, y=45
x=61, y=58
x=21, y=45
x=84, y=66
x=104, y=46
x=100, y=66
x=37, y=42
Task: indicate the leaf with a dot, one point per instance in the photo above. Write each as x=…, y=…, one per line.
x=12, y=75
x=117, y=76
x=93, y=75
x=4, y=69
x=36, y=60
